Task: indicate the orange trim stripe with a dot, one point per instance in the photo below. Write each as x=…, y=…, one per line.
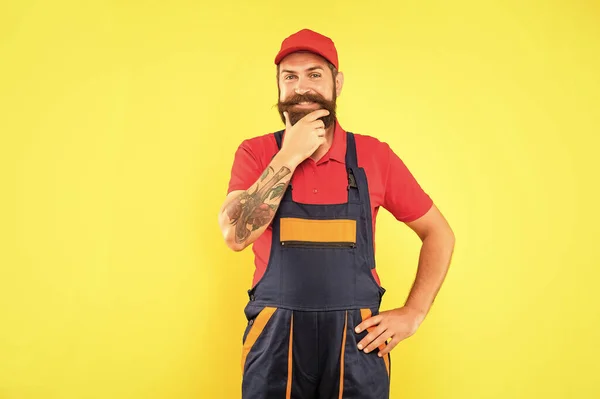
x=288, y=392
x=342, y=358
x=259, y=325
x=365, y=314
x=338, y=230
x=386, y=359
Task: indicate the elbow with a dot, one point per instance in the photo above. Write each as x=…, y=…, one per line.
x=449, y=242
x=451, y=237
x=229, y=237
x=228, y=232
x=448, y=238
x=233, y=245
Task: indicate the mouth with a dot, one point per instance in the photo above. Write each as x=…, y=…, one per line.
x=306, y=104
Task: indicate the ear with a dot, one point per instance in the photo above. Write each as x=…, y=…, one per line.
x=339, y=83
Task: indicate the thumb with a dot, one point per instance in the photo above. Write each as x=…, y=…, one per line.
x=287, y=120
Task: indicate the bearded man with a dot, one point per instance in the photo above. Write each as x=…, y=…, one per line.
x=306, y=198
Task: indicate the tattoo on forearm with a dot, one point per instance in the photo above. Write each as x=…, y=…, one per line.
x=253, y=210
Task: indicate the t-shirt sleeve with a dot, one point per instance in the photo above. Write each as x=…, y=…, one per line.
x=246, y=168
x=404, y=198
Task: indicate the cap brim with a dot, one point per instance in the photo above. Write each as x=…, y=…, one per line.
x=284, y=53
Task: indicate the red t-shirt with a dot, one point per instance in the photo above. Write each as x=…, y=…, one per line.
x=391, y=184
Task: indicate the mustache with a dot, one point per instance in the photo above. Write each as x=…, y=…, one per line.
x=298, y=98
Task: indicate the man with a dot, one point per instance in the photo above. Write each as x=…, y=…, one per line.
x=307, y=199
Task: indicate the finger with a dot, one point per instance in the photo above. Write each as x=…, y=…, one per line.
x=391, y=345
x=287, y=120
x=371, y=321
x=318, y=124
x=370, y=337
x=319, y=113
x=378, y=342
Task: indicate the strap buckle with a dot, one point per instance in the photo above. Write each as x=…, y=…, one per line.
x=351, y=180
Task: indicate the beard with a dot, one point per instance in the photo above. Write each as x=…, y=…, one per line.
x=296, y=114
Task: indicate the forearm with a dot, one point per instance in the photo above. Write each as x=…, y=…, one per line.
x=248, y=215
x=434, y=261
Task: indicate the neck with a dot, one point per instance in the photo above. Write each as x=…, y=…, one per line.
x=322, y=150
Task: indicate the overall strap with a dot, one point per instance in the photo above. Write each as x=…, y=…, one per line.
x=361, y=191
x=351, y=159
x=351, y=163
x=278, y=138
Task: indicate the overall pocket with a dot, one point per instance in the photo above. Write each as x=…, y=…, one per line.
x=254, y=329
x=317, y=233
x=319, y=264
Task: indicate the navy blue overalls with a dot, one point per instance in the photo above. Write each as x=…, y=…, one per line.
x=300, y=341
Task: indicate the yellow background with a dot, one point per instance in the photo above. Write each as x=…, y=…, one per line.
x=119, y=121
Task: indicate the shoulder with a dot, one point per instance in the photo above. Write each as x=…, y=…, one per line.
x=364, y=140
x=371, y=149
x=260, y=147
x=266, y=140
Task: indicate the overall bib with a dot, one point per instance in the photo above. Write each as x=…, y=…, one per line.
x=318, y=286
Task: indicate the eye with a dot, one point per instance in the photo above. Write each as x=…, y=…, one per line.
x=288, y=77
x=315, y=75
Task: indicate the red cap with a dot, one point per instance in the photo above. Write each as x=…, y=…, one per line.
x=307, y=40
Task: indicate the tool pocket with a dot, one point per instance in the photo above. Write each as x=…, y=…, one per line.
x=254, y=329
x=365, y=314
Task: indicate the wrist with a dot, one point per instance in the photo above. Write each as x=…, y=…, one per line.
x=291, y=161
x=419, y=312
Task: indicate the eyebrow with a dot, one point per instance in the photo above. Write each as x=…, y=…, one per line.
x=308, y=69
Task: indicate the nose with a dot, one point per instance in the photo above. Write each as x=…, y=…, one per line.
x=302, y=86
x=301, y=90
